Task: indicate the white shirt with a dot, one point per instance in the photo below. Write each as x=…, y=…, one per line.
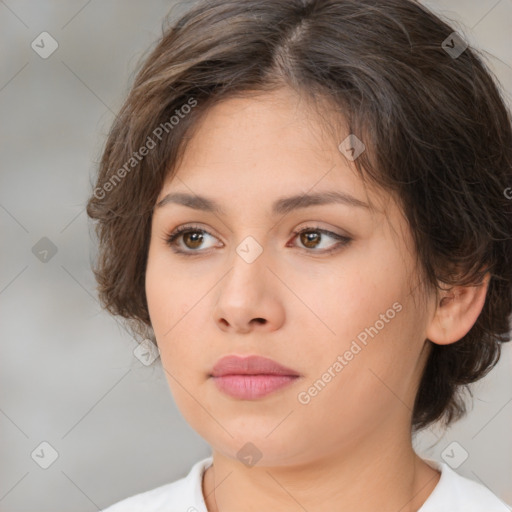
x=453, y=493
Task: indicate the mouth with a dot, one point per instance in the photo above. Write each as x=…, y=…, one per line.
x=250, y=378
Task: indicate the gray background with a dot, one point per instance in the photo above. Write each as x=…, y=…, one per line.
x=68, y=375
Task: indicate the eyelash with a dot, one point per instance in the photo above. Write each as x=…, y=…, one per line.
x=170, y=239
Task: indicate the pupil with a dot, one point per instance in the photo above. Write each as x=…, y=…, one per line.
x=310, y=237
x=195, y=235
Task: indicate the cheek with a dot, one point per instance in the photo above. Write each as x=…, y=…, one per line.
x=166, y=308
x=178, y=344
x=164, y=292
x=368, y=386
x=377, y=333
x=357, y=302
x=374, y=379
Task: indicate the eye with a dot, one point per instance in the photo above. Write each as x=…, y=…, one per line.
x=312, y=237
x=191, y=236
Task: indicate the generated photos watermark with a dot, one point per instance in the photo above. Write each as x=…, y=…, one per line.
x=305, y=397
x=137, y=156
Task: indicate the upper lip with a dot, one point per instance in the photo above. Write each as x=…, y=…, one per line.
x=249, y=365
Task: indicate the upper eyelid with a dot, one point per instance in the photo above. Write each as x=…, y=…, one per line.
x=312, y=227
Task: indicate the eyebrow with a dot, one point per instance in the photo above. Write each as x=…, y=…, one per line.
x=280, y=206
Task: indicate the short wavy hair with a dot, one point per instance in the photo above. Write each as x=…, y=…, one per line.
x=431, y=114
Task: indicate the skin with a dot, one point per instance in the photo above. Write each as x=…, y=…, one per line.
x=350, y=447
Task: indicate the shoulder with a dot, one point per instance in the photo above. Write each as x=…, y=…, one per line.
x=455, y=493
x=183, y=495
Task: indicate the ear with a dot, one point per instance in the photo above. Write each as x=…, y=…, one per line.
x=456, y=312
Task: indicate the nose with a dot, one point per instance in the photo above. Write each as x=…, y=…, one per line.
x=249, y=298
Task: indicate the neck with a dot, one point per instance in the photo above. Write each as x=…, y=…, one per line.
x=381, y=473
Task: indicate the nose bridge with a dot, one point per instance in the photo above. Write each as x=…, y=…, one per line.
x=243, y=294
x=248, y=265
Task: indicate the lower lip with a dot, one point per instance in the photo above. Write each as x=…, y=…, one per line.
x=251, y=387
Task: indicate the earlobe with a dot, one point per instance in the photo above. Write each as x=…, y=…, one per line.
x=456, y=312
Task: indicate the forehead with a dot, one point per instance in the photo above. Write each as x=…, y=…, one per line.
x=266, y=148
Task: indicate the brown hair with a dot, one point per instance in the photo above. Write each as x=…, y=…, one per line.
x=436, y=129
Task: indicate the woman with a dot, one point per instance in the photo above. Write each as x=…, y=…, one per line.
x=302, y=204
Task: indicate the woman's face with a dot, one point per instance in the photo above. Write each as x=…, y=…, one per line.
x=346, y=316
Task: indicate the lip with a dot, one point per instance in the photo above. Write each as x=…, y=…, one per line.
x=251, y=377
x=249, y=365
